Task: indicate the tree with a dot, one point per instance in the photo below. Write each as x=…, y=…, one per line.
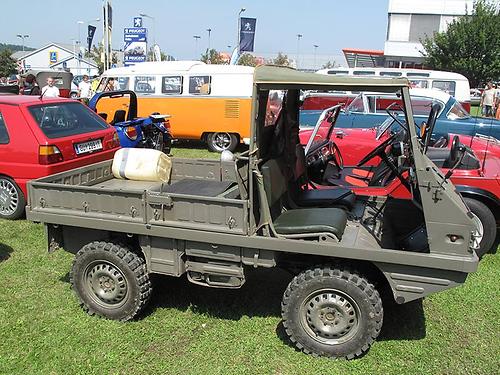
x=8, y=65
x=96, y=53
x=248, y=60
x=470, y=46
x=281, y=60
x=212, y=57
x=329, y=65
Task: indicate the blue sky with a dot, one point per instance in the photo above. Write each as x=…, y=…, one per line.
x=332, y=25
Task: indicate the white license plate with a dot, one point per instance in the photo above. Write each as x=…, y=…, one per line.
x=90, y=146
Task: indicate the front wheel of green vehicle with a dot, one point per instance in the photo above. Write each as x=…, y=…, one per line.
x=110, y=281
x=332, y=312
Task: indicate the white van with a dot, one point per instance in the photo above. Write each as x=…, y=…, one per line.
x=453, y=84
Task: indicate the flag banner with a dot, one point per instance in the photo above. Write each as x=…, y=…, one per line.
x=247, y=34
x=90, y=36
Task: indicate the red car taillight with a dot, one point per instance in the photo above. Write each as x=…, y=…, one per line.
x=131, y=133
x=49, y=155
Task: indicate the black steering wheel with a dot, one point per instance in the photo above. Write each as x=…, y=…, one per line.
x=426, y=134
x=377, y=150
x=455, y=150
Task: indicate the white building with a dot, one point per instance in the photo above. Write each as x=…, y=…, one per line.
x=410, y=21
x=57, y=56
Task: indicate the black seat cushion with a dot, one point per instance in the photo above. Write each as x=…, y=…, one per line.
x=205, y=188
x=336, y=196
x=312, y=220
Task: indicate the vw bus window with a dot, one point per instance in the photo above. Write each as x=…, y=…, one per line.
x=145, y=84
x=446, y=86
x=418, y=83
x=121, y=83
x=113, y=84
x=199, y=85
x=171, y=85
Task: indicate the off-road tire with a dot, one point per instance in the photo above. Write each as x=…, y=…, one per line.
x=487, y=218
x=327, y=283
x=127, y=272
x=13, y=192
x=216, y=145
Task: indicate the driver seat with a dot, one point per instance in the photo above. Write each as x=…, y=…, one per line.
x=359, y=176
x=329, y=197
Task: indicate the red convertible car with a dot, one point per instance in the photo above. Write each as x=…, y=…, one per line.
x=370, y=162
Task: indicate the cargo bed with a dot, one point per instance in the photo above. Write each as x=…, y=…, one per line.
x=204, y=196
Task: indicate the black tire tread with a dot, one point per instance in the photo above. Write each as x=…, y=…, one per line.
x=133, y=261
x=489, y=224
x=347, y=274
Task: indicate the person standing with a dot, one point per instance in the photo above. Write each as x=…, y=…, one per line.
x=488, y=100
x=30, y=86
x=50, y=91
x=84, y=90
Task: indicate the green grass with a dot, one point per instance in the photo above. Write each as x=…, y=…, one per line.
x=188, y=329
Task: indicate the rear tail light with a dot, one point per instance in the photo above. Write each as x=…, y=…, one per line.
x=131, y=133
x=49, y=155
x=115, y=142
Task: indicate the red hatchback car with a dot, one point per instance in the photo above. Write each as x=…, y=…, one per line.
x=39, y=137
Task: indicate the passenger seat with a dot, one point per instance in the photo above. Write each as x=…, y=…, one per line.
x=301, y=221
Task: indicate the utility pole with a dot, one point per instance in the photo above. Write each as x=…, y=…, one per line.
x=298, y=49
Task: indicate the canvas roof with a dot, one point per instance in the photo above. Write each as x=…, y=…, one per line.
x=274, y=77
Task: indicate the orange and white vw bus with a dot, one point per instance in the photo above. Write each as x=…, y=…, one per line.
x=207, y=102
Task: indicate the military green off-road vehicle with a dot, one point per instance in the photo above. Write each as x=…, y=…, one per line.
x=217, y=219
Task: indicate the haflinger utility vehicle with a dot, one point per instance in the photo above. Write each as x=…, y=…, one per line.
x=215, y=220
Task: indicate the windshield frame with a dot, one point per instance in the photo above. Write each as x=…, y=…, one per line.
x=336, y=110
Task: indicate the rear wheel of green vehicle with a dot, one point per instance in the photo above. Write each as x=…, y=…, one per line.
x=218, y=142
x=332, y=312
x=110, y=281
x=486, y=225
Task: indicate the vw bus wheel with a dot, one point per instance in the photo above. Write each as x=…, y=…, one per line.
x=332, y=312
x=12, y=201
x=486, y=230
x=110, y=281
x=218, y=142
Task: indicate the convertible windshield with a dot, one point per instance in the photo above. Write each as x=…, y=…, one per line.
x=457, y=112
x=323, y=128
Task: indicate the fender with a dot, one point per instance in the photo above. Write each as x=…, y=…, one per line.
x=478, y=192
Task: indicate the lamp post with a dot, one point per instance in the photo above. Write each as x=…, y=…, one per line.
x=23, y=36
x=196, y=38
x=153, y=19
x=209, y=32
x=238, y=29
x=315, y=48
x=298, y=49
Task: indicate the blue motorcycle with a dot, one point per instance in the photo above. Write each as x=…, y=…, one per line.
x=143, y=132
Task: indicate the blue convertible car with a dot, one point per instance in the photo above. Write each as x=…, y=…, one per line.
x=368, y=110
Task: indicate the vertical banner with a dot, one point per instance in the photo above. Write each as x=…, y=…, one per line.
x=90, y=36
x=108, y=25
x=247, y=34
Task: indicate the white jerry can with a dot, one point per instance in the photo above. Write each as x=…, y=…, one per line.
x=141, y=164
